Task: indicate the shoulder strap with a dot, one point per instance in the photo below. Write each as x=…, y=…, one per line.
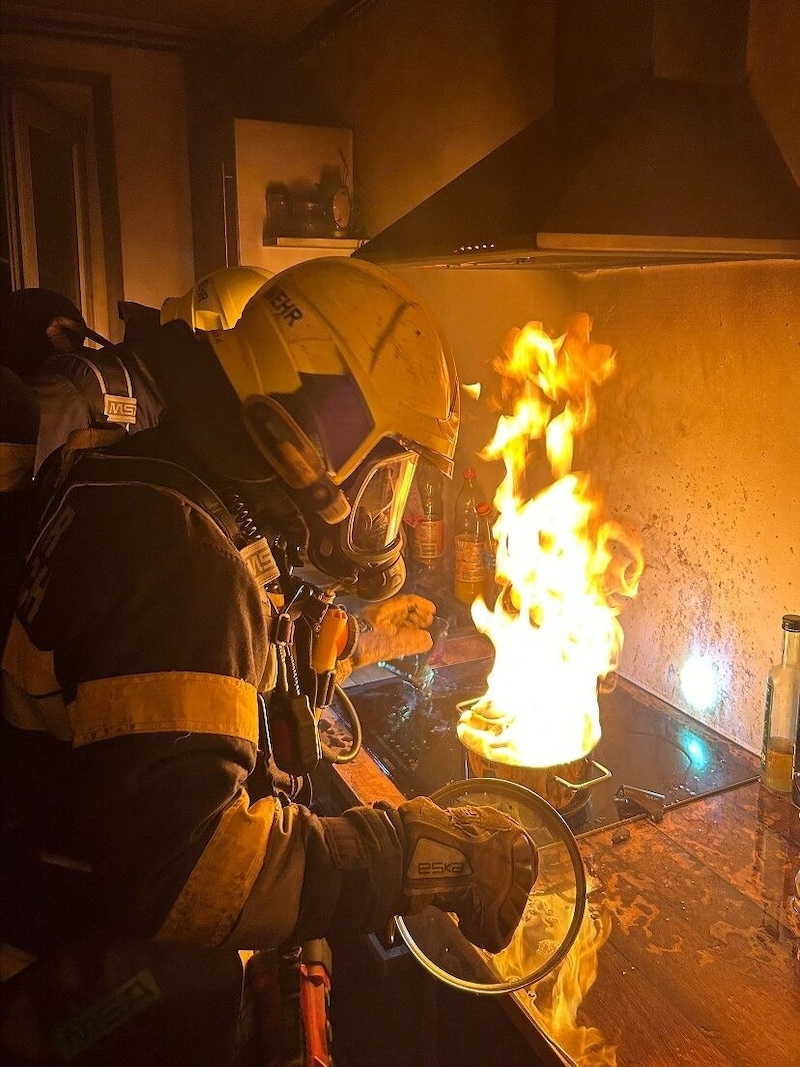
x=114, y=382
x=96, y=467
x=105, y=468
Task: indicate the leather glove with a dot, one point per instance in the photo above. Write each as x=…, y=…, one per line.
x=474, y=861
x=395, y=628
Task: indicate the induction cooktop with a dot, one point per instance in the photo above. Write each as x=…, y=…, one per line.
x=658, y=757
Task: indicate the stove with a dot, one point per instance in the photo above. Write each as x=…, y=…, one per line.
x=658, y=756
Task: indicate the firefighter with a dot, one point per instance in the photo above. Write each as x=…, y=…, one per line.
x=19, y=428
x=79, y=387
x=167, y=640
x=76, y=386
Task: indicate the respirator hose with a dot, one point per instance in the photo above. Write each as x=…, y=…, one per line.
x=353, y=721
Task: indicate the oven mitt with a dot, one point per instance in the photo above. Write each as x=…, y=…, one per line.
x=474, y=861
x=393, y=629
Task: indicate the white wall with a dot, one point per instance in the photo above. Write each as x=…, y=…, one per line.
x=150, y=143
x=697, y=444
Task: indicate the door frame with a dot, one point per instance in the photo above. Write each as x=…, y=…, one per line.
x=77, y=107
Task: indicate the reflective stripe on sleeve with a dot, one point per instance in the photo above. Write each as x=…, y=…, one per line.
x=32, y=669
x=182, y=701
x=42, y=714
x=218, y=887
x=31, y=695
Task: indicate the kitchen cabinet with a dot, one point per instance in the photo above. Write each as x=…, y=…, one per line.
x=702, y=962
x=310, y=163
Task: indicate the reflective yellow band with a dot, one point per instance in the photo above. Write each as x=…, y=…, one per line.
x=45, y=714
x=31, y=669
x=218, y=887
x=155, y=703
x=181, y=701
x=88, y=437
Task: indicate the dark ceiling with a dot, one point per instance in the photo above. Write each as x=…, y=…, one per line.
x=268, y=23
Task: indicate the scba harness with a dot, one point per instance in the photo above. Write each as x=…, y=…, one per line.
x=309, y=635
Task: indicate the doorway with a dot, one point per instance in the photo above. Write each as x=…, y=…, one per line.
x=61, y=220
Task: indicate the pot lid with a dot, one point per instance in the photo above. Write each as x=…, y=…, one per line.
x=553, y=914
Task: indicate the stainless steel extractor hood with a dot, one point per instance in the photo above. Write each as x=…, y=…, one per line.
x=672, y=172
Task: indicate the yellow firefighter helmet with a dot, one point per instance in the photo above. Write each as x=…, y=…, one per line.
x=217, y=300
x=343, y=355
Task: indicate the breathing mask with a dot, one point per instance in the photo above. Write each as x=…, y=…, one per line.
x=364, y=550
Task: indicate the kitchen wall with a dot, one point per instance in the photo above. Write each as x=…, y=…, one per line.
x=695, y=447
x=773, y=72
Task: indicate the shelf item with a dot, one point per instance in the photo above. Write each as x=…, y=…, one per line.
x=298, y=174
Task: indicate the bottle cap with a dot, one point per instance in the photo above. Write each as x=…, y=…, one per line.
x=469, y=472
x=482, y=508
x=791, y=623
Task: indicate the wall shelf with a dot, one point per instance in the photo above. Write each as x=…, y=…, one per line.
x=341, y=244
x=296, y=156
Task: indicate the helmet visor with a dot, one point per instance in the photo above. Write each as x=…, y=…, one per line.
x=379, y=503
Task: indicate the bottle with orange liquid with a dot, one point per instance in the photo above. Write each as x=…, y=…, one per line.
x=468, y=544
x=781, y=711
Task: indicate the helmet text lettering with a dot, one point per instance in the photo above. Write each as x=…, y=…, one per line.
x=283, y=306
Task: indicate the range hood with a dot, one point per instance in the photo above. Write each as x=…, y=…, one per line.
x=667, y=171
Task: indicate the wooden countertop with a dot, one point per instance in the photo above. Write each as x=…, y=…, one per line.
x=701, y=967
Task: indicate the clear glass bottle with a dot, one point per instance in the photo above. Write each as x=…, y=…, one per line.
x=427, y=531
x=467, y=540
x=781, y=711
x=487, y=518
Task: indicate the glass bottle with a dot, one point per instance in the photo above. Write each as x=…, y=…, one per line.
x=487, y=517
x=427, y=531
x=467, y=540
x=780, y=712
x=279, y=211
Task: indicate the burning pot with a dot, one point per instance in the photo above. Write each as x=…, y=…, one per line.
x=565, y=786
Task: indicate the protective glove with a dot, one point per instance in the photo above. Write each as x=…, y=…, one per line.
x=475, y=862
x=395, y=628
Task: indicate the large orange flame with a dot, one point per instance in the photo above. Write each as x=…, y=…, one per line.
x=556, y=1002
x=563, y=569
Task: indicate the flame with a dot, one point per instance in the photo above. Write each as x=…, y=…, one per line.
x=564, y=570
x=555, y=1003
x=472, y=389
